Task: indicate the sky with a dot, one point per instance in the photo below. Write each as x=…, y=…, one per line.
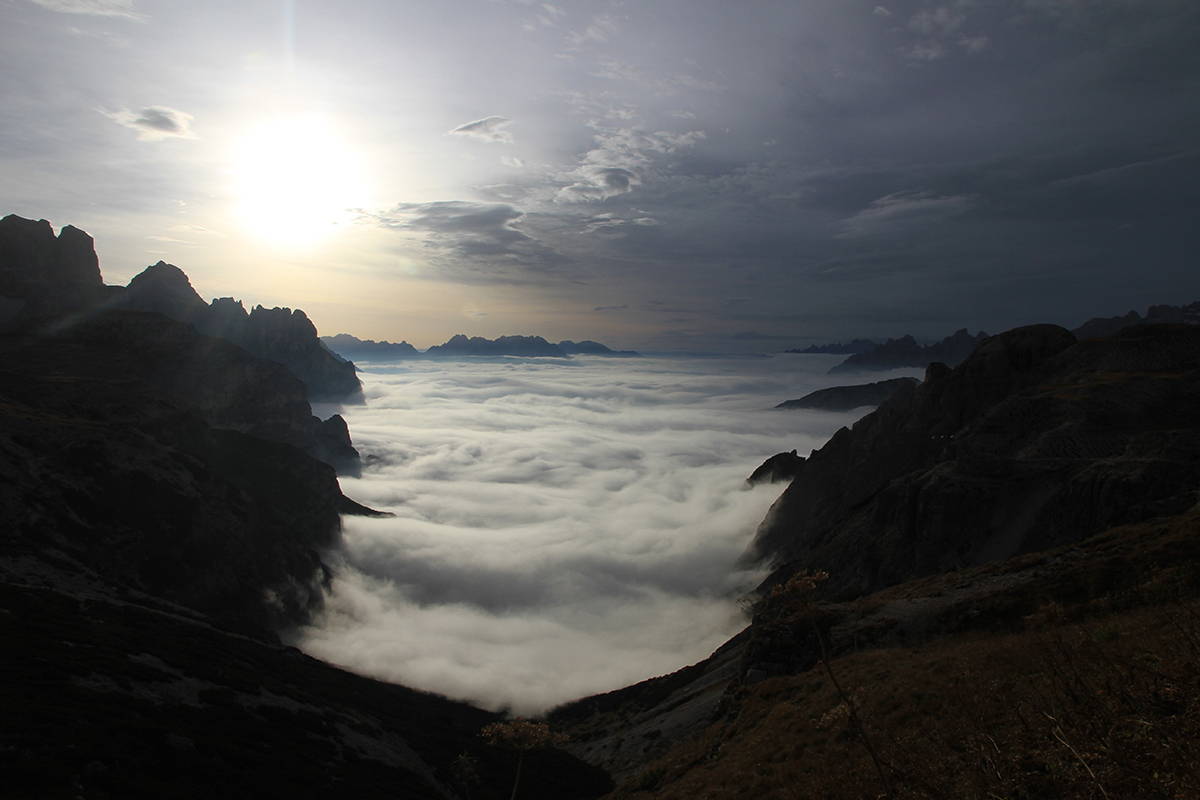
x=562, y=527
x=690, y=175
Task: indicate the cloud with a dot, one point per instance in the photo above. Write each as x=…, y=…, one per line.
x=598, y=183
x=941, y=20
x=472, y=241
x=194, y=229
x=155, y=123
x=899, y=212
x=618, y=162
x=488, y=129
x=561, y=528
x=611, y=308
x=98, y=8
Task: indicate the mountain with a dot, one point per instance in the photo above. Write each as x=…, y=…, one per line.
x=590, y=348
x=163, y=524
x=845, y=398
x=1107, y=326
x=855, y=346
x=971, y=592
x=343, y=345
x=278, y=334
x=905, y=352
x=351, y=347
x=524, y=346
x=1034, y=441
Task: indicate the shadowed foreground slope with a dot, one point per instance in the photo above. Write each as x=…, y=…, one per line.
x=1012, y=608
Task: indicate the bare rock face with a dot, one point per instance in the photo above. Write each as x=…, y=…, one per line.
x=120, y=448
x=1033, y=442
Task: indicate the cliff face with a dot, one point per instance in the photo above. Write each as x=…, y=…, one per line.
x=1033, y=441
x=121, y=449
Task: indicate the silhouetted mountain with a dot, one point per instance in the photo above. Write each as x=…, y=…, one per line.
x=1107, y=326
x=905, y=352
x=526, y=346
x=41, y=273
x=845, y=398
x=1033, y=441
x=839, y=349
x=279, y=334
x=590, y=348
x=353, y=348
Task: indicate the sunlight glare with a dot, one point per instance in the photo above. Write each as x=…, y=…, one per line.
x=296, y=179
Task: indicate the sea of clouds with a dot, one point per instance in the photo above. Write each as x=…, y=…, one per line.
x=562, y=527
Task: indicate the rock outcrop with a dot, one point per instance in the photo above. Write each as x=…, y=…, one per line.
x=905, y=352
x=41, y=273
x=845, y=398
x=1032, y=442
x=777, y=469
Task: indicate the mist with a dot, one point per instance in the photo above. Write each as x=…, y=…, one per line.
x=562, y=527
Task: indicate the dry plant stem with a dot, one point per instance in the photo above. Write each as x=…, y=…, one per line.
x=853, y=712
x=520, y=762
x=1058, y=734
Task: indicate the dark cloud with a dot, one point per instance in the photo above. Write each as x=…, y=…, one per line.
x=473, y=241
x=155, y=123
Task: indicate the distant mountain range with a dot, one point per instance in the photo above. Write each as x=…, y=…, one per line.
x=352, y=348
x=837, y=348
x=865, y=354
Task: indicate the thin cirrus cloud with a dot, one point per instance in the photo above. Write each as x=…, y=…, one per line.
x=561, y=528
x=155, y=123
x=97, y=8
x=903, y=211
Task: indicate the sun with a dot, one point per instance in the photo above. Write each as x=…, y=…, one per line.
x=296, y=180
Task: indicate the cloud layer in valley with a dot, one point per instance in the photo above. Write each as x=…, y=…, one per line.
x=562, y=527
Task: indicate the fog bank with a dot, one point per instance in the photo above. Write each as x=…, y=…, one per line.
x=562, y=527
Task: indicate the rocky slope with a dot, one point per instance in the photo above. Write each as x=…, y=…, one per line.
x=1009, y=546
x=1034, y=441
x=134, y=445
